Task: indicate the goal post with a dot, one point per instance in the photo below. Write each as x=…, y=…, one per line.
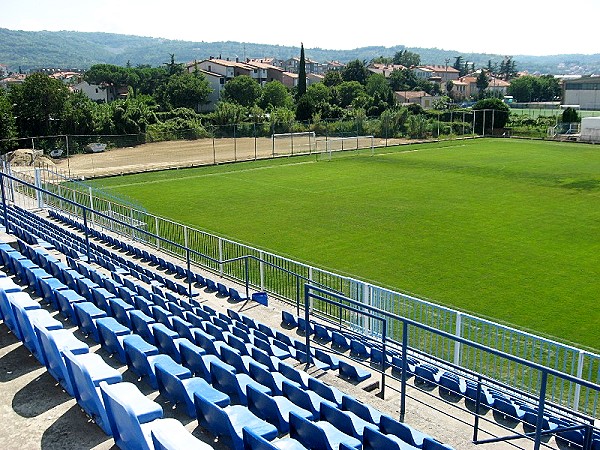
x=293, y=143
x=326, y=147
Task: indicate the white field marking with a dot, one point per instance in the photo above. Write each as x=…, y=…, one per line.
x=419, y=150
x=191, y=177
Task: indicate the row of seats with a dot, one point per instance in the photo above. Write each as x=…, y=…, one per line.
x=118, y=408
x=448, y=381
x=109, y=333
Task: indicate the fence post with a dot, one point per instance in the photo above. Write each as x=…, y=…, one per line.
x=404, y=370
x=87, y=235
x=540, y=418
x=220, y=256
x=577, y=394
x=261, y=270
x=91, y=202
x=157, y=233
x=38, y=187
x=4, y=211
x=457, y=344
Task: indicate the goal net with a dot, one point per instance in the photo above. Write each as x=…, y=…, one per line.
x=326, y=147
x=293, y=143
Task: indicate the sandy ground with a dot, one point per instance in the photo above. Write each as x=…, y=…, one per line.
x=36, y=413
x=178, y=154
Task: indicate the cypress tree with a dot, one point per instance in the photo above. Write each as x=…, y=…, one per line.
x=302, y=73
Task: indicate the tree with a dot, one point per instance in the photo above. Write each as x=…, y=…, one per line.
x=449, y=87
x=348, y=91
x=508, y=68
x=355, y=71
x=8, y=128
x=482, y=82
x=275, y=95
x=460, y=65
x=227, y=113
x=78, y=115
x=332, y=78
x=529, y=88
x=407, y=58
x=402, y=80
x=570, y=115
x=243, y=90
x=302, y=73
x=495, y=119
x=174, y=68
x=40, y=101
x=185, y=90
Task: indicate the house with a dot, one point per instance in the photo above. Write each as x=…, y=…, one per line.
x=216, y=82
x=385, y=69
x=459, y=90
x=312, y=78
x=445, y=73
x=584, y=92
x=290, y=79
x=467, y=86
x=16, y=78
x=422, y=73
x=293, y=64
x=416, y=97
x=97, y=93
x=498, y=86
x=333, y=65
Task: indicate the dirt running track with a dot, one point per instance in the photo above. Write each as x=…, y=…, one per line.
x=178, y=154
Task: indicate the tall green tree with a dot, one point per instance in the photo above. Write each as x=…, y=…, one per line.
x=40, y=101
x=302, y=73
x=275, y=95
x=402, y=80
x=243, y=90
x=78, y=115
x=407, y=58
x=185, y=90
x=355, y=71
x=8, y=127
x=482, y=82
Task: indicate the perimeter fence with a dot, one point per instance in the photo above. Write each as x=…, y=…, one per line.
x=285, y=278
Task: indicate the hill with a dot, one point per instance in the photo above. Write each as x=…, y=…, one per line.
x=70, y=49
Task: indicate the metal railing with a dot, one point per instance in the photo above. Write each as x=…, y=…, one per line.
x=285, y=278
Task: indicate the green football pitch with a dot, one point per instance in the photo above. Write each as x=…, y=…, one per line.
x=505, y=229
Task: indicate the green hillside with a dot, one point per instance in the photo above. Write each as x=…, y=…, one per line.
x=69, y=49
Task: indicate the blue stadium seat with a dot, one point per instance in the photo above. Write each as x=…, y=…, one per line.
x=178, y=389
x=143, y=325
x=87, y=371
x=361, y=409
x=403, y=431
x=321, y=434
x=233, y=384
x=347, y=423
x=227, y=423
x=288, y=319
x=353, y=373
x=253, y=441
x=322, y=334
x=53, y=344
x=375, y=440
x=66, y=298
x=272, y=380
x=142, y=357
x=293, y=374
x=359, y=350
x=339, y=342
x=196, y=359
x=15, y=297
x=120, y=311
x=132, y=416
x=49, y=287
x=305, y=399
x=222, y=290
x=330, y=393
x=112, y=334
x=87, y=313
x=27, y=320
x=453, y=384
x=236, y=296
x=241, y=363
x=274, y=409
x=174, y=436
x=167, y=341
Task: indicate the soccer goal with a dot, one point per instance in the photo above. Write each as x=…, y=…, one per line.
x=327, y=146
x=293, y=143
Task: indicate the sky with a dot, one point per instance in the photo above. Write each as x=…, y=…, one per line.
x=507, y=27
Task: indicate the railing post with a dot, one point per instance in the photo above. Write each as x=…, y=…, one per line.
x=38, y=186
x=261, y=270
x=540, y=417
x=384, y=353
x=457, y=344
x=4, y=210
x=220, y=257
x=87, y=234
x=91, y=203
x=307, y=332
x=580, y=361
x=477, y=408
x=189, y=271
x=404, y=370
x=248, y=278
x=157, y=233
